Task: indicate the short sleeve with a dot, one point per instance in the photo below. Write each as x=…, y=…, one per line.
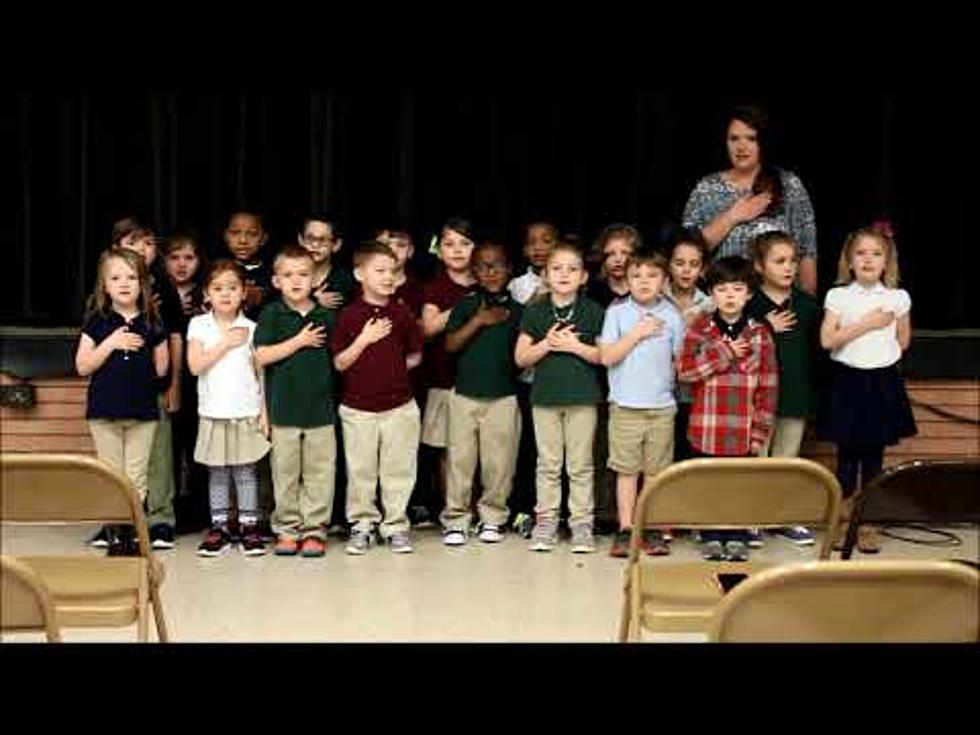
x=195, y=330
x=675, y=322
x=265, y=331
x=903, y=302
x=413, y=333
x=461, y=313
x=799, y=215
x=159, y=334
x=610, y=328
x=343, y=334
x=531, y=323
x=834, y=300
x=95, y=327
x=701, y=206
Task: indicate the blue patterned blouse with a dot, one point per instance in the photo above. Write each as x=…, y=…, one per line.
x=714, y=194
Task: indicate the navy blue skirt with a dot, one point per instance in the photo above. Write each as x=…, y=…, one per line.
x=865, y=407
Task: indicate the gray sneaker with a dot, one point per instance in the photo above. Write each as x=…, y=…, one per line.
x=544, y=537
x=400, y=543
x=360, y=542
x=582, y=540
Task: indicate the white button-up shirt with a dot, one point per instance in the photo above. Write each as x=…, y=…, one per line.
x=878, y=348
x=229, y=389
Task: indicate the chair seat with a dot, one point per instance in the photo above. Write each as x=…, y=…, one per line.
x=91, y=591
x=682, y=597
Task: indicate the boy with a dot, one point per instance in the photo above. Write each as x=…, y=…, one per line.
x=290, y=343
x=641, y=336
x=333, y=286
x=484, y=421
x=730, y=361
x=244, y=238
x=375, y=343
x=557, y=338
x=794, y=318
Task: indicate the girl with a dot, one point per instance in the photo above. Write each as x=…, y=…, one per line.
x=866, y=326
x=615, y=244
x=183, y=260
x=124, y=349
x=232, y=432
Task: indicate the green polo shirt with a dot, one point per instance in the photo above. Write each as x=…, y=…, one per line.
x=339, y=280
x=485, y=366
x=796, y=351
x=299, y=390
x=563, y=379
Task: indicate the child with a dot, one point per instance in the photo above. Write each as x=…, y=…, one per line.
x=333, y=286
x=557, y=338
x=687, y=255
x=244, y=238
x=160, y=480
x=641, y=337
x=439, y=296
x=376, y=341
x=793, y=316
x=290, y=342
x=539, y=241
x=611, y=250
x=484, y=421
x=730, y=361
x=866, y=326
x=184, y=264
x=231, y=437
x=124, y=349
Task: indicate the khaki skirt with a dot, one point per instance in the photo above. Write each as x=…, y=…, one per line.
x=226, y=442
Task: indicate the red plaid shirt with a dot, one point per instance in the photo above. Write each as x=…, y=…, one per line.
x=734, y=399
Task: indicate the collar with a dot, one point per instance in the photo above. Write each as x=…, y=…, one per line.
x=645, y=309
x=879, y=287
x=731, y=330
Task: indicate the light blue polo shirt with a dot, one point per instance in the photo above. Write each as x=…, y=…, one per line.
x=645, y=377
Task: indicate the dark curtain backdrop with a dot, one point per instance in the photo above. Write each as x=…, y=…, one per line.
x=80, y=159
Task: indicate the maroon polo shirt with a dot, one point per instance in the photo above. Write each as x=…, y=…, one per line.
x=378, y=380
x=438, y=364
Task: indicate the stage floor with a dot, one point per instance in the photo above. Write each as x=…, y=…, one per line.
x=496, y=593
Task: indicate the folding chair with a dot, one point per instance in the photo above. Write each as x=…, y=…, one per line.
x=893, y=601
x=669, y=596
x=25, y=601
x=933, y=492
x=88, y=590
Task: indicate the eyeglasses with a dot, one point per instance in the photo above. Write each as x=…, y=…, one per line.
x=489, y=267
x=320, y=241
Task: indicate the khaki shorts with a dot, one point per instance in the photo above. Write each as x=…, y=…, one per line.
x=640, y=439
x=435, y=423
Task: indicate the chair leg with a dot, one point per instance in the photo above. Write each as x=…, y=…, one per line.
x=142, y=622
x=161, y=624
x=624, y=618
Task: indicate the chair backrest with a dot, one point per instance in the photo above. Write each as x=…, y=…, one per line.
x=848, y=601
x=25, y=602
x=739, y=492
x=64, y=487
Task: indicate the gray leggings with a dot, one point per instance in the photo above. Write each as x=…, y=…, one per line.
x=246, y=487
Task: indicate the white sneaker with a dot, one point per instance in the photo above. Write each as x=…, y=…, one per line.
x=490, y=534
x=583, y=542
x=454, y=537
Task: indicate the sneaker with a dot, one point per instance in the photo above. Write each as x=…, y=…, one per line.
x=214, y=543
x=713, y=551
x=490, y=534
x=313, y=547
x=736, y=551
x=583, y=542
x=286, y=546
x=162, y=536
x=799, y=535
x=359, y=542
x=654, y=543
x=101, y=539
x=544, y=537
x=454, y=537
x=754, y=538
x=621, y=544
x=420, y=517
x=401, y=543
x=523, y=525
x=122, y=542
x=337, y=529
x=252, y=543
x=868, y=540
x=668, y=535
x=265, y=531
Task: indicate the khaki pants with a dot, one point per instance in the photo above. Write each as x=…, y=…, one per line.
x=303, y=464
x=786, y=437
x=124, y=445
x=565, y=432
x=488, y=431
x=380, y=446
x=160, y=485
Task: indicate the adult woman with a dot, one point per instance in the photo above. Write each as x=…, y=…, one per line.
x=731, y=207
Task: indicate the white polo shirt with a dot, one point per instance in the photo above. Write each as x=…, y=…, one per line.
x=878, y=348
x=230, y=388
x=524, y=287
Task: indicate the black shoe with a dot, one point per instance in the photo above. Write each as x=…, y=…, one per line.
x=252, y=544
x=265, y=531
x=101, y=539
x=122, y=541
x=162, y=536
x=420, y=517
x=603, y=527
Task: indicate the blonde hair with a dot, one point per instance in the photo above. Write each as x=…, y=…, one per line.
x=883, y=234
x=99, y=301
